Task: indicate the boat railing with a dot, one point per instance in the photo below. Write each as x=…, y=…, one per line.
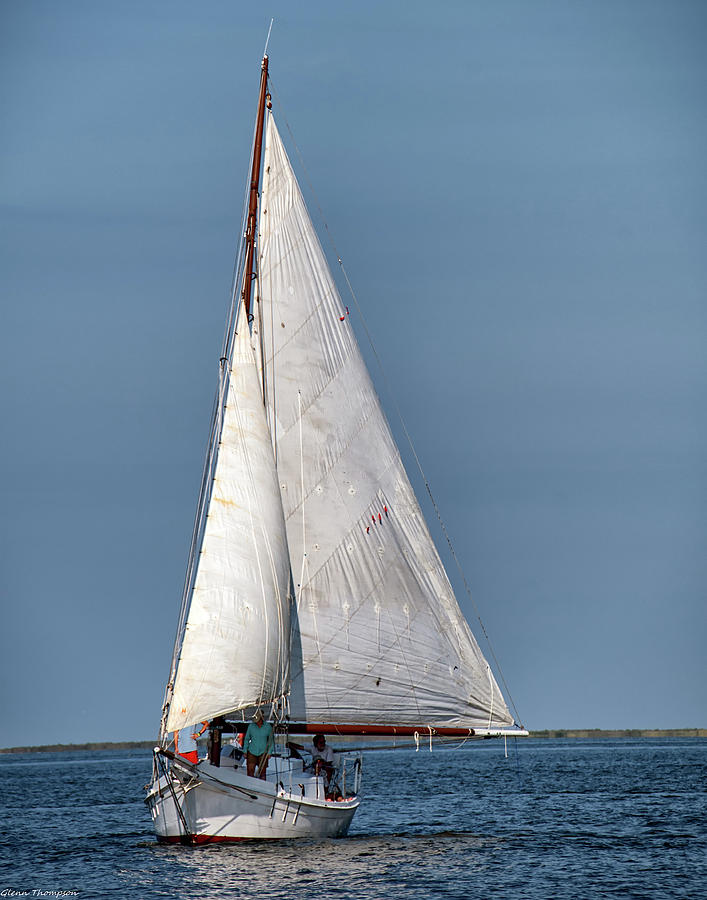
x=290, y=771
x=350, y=767
x=284, y=770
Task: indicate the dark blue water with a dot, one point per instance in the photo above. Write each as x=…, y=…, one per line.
x=581, y=819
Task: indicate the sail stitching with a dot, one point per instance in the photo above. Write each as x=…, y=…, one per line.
x=421, y=687
x=407, y=666
x=442, y=624
x=334, y=461
x=358, y=525
x=441, y=660
x=305, y=562
x=345, y=348
x=270, y=555
x=360, y=425
x=253, y=497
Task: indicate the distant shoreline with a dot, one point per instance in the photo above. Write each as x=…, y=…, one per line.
x=553, y=733
x=621, y=733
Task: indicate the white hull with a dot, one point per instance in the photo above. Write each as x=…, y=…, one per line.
x=209, y=804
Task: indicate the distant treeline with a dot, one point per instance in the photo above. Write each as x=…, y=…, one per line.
x=96, y=745
x=621, y=733
x=556, y=733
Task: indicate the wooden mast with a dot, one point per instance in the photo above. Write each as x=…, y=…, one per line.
x=254, y=184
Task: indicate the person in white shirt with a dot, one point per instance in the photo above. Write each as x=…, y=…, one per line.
x=322, y=756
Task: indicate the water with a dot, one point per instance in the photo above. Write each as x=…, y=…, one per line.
x=624, y=818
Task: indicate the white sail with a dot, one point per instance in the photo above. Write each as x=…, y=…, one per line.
x=235, y=648
x=379, y=636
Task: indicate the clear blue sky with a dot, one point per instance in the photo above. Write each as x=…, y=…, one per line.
x=519, y=193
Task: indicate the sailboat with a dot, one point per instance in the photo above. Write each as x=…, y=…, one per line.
x=314, y=593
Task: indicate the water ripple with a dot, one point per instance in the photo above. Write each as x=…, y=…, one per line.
x=584, y=819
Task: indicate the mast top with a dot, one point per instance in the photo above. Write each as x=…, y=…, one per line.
x=254, y=184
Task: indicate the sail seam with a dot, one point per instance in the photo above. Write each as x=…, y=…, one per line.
x=358, y=527
x=251, y=480
x=325, y=472
x=346, y=349
x=305, y=561
x=439, y=660
x=407, y=666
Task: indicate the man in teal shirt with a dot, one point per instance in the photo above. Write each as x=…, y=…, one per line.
x=257, y=744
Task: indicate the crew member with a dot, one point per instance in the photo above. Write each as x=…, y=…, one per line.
x=258, y=743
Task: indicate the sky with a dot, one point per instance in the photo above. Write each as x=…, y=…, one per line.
x=518, y=192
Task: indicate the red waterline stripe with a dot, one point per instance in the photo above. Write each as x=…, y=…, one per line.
x=194, y=839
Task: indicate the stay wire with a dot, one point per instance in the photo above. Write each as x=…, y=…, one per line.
x=394, y=401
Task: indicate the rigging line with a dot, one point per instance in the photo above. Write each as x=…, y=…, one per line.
x=258, y=325
x=395, y=404
x=192, y=560
x=238, y=265
x=263, y=235
x=211, y=451
x=168, y=777
x=212, y=460
x=236, y=280
x=279, y=669
x=488, y=669
x=302, y=488
x=407, y=664
x=254, y=496
x=214, y=434
x=305, y=561
x=376, y=585
x=240, y=255
x=204, y=776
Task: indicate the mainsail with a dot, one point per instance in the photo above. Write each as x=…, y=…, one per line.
x=379, y=636
x=235, y=650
